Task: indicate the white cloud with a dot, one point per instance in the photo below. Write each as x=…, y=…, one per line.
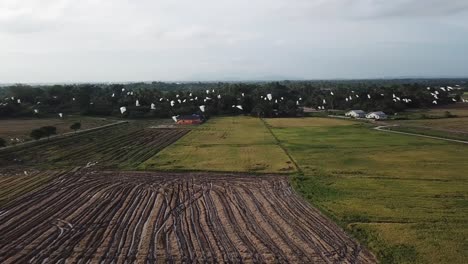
x=55, y=40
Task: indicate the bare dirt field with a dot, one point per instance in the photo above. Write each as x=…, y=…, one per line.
x=124, y=146
x=123, y=217
x=21, y=128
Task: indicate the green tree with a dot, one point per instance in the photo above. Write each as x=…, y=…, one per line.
x=49, y=131
x=2, y=142
x=76, y=126
x=37, y=134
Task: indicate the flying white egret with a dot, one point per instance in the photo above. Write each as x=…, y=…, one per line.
x=242, y=94
x=180, y=101
x=153, y=106
x=36, y=111
x=219, y=96
x=240, y=107
x=269, y=96
x=331, y=92
x=113, y=95
x=202, y=108
x=434, y=102
x=60, y=115
x=453, y=99
x=183, y=101
x=160, y=99
x=18, y=101
x=123, y=89
x=172, y=103
x=368, y=96
x=190, y=95
x=174, y=118
x=123, y=109
x=346, y=99
x=177, y=96
x=207, y=91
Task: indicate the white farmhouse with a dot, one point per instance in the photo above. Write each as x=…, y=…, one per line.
x=356, y=114
x=376, y=115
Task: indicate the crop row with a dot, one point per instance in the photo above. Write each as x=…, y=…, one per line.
x=123, y=146
x=120, y=217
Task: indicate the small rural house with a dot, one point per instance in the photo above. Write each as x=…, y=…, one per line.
x=356, y=114
x=376, y=115
x=189, y=120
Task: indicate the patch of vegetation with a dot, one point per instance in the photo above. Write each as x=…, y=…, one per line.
x=240, y=144
x=403, y=196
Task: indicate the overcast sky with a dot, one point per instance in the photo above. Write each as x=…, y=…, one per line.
x=144, y=40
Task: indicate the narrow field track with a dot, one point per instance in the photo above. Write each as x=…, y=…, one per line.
x=139, y=217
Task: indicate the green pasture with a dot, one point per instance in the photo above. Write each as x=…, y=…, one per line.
x=240, y=144
x=405, y=197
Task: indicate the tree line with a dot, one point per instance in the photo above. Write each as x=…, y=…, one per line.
x=268, y=99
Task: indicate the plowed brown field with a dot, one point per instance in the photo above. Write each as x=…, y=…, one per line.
x=124, y=217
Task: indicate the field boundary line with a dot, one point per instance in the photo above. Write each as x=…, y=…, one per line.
x=382, y=128
x=278, y=142
x=64, y=135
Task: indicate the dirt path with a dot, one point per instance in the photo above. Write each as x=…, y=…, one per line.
x=382, y=128
x=142, y=217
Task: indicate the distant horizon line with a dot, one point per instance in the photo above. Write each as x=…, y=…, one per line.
x=236, y=81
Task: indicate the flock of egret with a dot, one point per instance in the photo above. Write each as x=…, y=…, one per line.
x=210, y=94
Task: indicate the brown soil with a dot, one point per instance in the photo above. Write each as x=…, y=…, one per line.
x=141, y=217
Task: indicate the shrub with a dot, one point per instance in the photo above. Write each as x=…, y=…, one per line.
x=76, y=126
